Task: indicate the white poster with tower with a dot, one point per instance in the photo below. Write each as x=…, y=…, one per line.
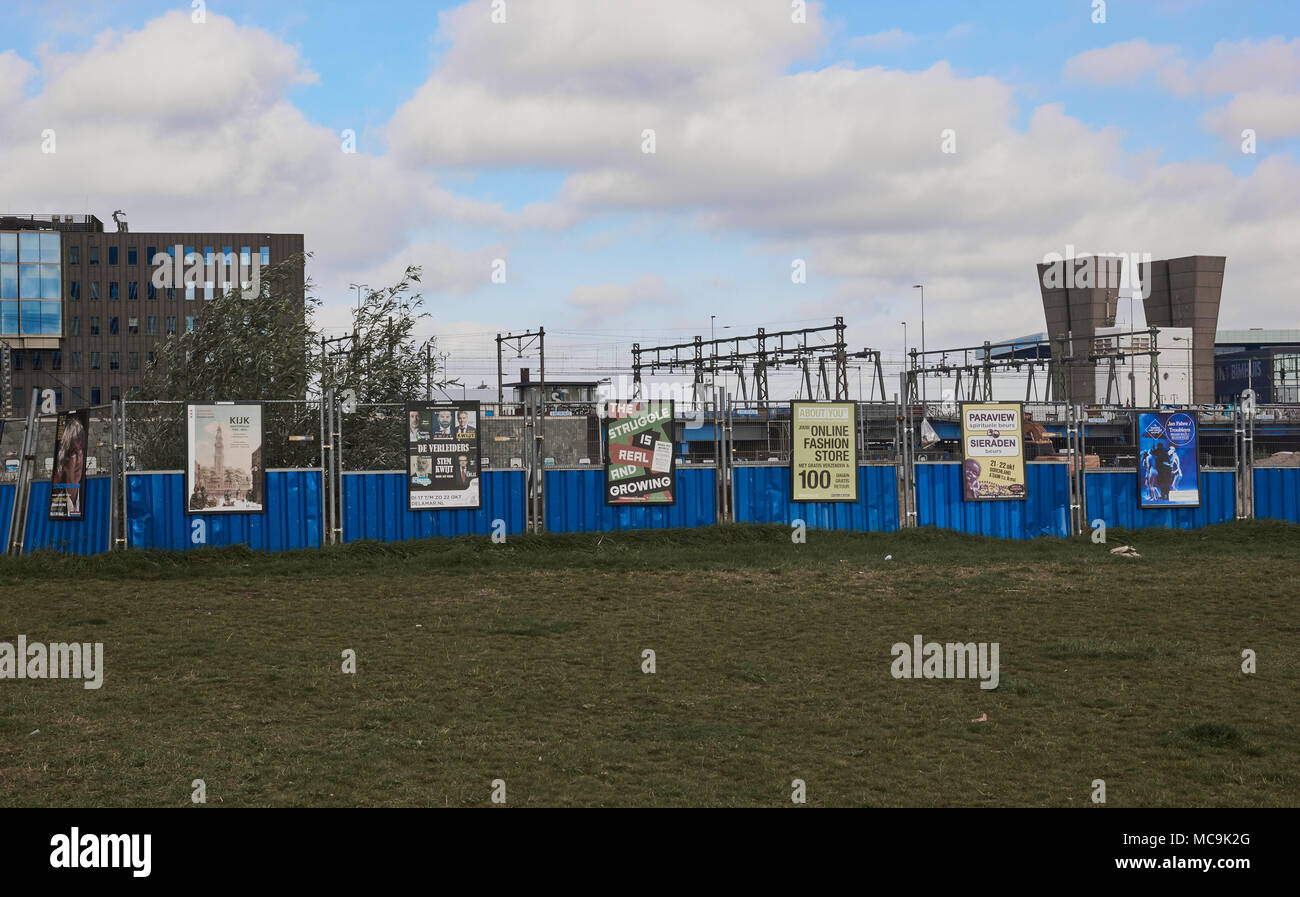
x=223, y=462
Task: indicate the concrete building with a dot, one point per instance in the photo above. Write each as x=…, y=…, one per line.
x=1185, y=292
x=1081, y=297
x=78, y=310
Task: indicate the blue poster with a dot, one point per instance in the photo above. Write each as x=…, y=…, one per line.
x=1168, y=475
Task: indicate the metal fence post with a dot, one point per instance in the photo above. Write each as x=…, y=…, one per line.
x=114, y=471
x=22, y=488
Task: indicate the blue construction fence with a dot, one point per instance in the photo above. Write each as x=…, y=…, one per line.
x=373, y=506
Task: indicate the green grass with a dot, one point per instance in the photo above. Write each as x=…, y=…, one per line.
x=523, y=662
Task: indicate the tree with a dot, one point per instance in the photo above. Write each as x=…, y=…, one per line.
x=268, y=348
x=376, y=370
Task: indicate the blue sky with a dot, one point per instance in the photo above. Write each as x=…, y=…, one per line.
x=605, y=253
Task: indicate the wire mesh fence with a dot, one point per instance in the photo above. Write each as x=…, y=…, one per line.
x=155, y=434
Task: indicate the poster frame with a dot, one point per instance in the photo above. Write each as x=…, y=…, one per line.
x=189, y=465
x=1138, y=414
x=1020, y=434
x=853, y=428
x=84, y=415
x=474, y=405
x=606, y=420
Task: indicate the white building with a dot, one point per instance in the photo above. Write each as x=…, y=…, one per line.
x=1131, y=379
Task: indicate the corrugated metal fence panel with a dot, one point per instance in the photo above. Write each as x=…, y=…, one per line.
x=763, y=496
x=7, y=491
x=374, y=507
x=575, y=502
x=1113, y=497
x=86, y=536
x=1044, y=512
x=1277, y=493
x=156, y=518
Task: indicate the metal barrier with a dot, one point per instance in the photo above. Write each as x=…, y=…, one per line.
x=156, y=518
x=336, y=474
x=1045, y=511
x=1113, y=498
x=1277, y=493
x=374, y=507
x=576, y=503
x=762, y=495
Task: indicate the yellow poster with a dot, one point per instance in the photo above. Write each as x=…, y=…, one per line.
x=994, y=451
x=824, y=451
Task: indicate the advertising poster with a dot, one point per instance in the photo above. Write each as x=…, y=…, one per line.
x=993, y=451
x=1168, y=472
x=640, y=467
x=442, y=455
x=824, y=451
x=223, y=459
x=68, y=483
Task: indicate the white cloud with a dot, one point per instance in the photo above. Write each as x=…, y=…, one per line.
x=1118, y=64
x=602, y=302
x=893, y=39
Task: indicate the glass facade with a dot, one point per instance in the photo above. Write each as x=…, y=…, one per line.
x=31, y=284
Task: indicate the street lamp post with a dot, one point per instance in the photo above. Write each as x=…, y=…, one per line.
x=921, y=287
x=357, y=287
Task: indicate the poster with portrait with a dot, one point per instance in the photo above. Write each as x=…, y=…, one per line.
x=640, y=462
x=824, y=451
x=68, y=483
x=442, y=455
x=993, y=451
x=1168, y=471
x=224, y=473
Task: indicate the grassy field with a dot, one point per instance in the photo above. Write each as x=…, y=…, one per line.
x=523, y=662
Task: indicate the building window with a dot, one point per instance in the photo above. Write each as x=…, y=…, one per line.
x=189, y=323
x=112, y=326
x=94, y=325
x=153, y=324
x=36, y=359
x=153, y=291
x=149, y=359
x=112, y=255
x=189, y=291
x=16, y=360
x=171, y=325
x=112, y=361
x=94, y=395
x=58, y=397
x=74, y=255
x=76, y=361
x=132, y=325
x=93, y=254
x=94, y=361
x=76, y=396
x=75, y=327
x=150, y=255
x=171, y=294
x=74, y=290
x=132, y=290
x=133, y=361
x=115, y=392
x=56, y=360
x=208, y=255
x=266, y=256
x=31, y=285
x=94, y=291
x=113, y=292
x=130, y=255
